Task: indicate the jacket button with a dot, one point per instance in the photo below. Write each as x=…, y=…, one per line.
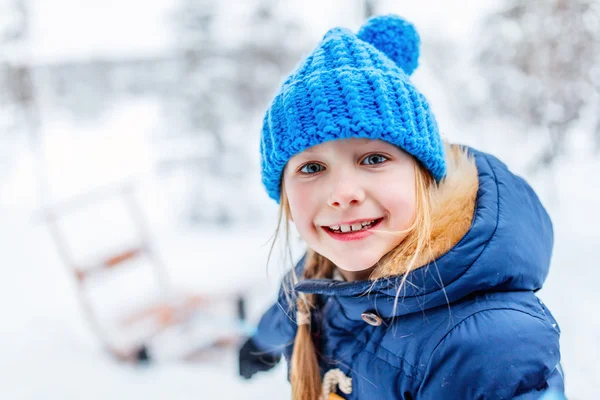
x=371, y=318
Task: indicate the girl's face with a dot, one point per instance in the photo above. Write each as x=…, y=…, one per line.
x=343, y=193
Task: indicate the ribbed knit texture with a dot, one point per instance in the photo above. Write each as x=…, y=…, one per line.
x=352, y=86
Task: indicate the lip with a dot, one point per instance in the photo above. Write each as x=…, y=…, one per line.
x=349, y=236
x=356, y=221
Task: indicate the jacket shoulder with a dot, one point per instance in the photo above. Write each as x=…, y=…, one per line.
x=500, y=345
x=410, y=341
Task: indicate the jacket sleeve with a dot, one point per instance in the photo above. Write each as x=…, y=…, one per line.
x=495, y=354
x=277, y=328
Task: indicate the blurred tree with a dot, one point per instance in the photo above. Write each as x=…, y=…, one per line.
x=13, y=32
x=540, y=62
x=17, y=87
x=224, y=82
x=370, y=7
x=13, y=21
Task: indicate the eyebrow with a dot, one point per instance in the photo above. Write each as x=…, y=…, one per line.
x=364, y=142
x=310, y=151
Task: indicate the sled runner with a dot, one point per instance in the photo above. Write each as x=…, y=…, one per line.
x=169, y=325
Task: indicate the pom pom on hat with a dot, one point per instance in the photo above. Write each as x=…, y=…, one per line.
x=396, y=38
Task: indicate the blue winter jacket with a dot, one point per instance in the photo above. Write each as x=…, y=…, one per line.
x=485, y=335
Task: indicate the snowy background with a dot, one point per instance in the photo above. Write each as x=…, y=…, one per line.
x=169, y=95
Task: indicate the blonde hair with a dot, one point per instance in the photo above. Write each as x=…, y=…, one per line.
x=410, y=253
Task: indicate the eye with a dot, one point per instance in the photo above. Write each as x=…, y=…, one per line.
x=311, y=168
x=374, y=159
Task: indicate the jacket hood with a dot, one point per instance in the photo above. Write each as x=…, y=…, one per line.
x=490, y=233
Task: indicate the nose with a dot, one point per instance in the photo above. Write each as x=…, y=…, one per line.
x=346, y=192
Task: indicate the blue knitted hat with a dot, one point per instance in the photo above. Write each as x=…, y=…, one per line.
x=353, y=86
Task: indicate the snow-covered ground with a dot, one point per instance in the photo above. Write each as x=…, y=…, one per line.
x=46, y=347
x=48, y=350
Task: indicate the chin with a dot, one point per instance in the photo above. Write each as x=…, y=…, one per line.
x=354, y=264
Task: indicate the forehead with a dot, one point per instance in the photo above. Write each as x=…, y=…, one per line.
x=345, y=145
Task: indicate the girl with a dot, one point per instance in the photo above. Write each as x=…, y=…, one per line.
x=423, y=258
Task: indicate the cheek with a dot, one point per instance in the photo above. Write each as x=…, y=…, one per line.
x=301, y=208
x=401, y=204
x=404, y=210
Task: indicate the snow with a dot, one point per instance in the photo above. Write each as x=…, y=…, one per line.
x=46, y=347
x=48, y=350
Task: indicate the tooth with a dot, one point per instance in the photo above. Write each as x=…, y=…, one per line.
x=345, y=228
x=335, y=227
x=366, y=223
x=356, y=227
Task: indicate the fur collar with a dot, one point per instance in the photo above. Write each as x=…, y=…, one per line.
x=452, y=206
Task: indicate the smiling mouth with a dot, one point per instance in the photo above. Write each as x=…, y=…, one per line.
x=351, y=228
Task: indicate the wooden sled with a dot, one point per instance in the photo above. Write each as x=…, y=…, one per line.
x=172, y=325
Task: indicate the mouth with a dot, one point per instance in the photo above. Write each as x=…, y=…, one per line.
x=352, y=231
